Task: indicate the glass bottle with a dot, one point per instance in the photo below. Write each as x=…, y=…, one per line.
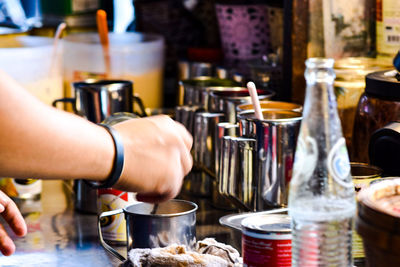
x=321, y=194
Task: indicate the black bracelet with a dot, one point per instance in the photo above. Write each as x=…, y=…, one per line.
x=118, y=163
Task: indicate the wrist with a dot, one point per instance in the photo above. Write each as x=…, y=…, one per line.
x=117, y=164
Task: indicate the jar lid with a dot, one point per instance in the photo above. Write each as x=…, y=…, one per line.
x=381, y=84
x=271, y=223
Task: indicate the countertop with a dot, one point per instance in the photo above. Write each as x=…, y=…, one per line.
x=60, y=236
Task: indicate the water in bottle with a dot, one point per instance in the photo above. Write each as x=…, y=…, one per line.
x=321, y=194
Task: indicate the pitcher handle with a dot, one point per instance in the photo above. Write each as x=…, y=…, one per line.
x=102, y=242
x=136, y=98
x=64, y=100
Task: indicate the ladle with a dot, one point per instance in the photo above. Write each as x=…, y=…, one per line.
x=102, y=28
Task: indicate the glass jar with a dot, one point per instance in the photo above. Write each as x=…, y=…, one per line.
x=378, y=106
x=349, y=85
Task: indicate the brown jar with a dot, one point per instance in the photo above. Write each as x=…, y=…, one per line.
x=378, y=106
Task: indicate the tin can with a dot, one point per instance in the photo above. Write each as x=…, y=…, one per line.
x=267, y=241
x=114, y=226
x=21, y=188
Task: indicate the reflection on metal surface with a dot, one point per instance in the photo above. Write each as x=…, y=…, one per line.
x=57, y=236
x=60, y=236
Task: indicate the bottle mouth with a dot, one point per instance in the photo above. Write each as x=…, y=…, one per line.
x=320, y=62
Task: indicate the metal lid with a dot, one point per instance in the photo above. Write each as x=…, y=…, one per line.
x=382, y=85
x=271, y=223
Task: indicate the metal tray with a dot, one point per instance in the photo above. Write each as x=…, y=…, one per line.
x=234, y=220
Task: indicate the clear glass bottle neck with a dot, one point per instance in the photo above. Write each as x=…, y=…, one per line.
x=319, y=70
x=320, y=76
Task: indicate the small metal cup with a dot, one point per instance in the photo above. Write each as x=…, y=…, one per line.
x=174, y=222
x=226, y=100
x=223, y=129
x=95, y=100
x=194, y=91
x=193, y=69
x=276, y=138
x=204, y=137
x=223, y=174
x=185, y=115
x=241, y=184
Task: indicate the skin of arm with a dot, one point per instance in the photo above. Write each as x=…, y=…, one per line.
x=39, y=141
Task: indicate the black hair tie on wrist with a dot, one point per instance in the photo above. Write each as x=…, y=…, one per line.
x=118, y=163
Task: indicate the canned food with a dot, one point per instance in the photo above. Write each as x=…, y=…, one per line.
x=267, y=241
x=114, y=226
x=21, y=188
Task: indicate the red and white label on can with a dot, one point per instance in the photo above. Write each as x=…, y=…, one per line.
x=266, y=249
x=114, y=227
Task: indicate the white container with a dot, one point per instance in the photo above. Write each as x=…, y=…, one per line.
x=133, y=56
x=32, y=62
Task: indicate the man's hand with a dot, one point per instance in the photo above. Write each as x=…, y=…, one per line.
x=13, y=217
x=157, y=157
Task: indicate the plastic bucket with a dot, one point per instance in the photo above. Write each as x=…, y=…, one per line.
x=32, y=62
x=133, y=56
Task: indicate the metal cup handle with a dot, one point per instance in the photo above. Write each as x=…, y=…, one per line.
x=102, y=242
x=136, y=98
x=64, y=100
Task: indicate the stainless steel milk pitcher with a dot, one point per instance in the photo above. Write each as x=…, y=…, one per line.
x=97, y=99
x=276, y=137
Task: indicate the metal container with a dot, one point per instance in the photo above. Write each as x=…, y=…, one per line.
x=172, y=222
x=226, y=100
x=185, y=115
x=194, y=91
x=224, y=171
x=193, y=69
x=238, y=180
x=204, y=139
x=223, y=129
x=276, y=138
x=96, y=100
x=267, y=240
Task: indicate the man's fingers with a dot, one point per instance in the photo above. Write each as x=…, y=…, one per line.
x=12, y=215
x=186, y=137
x=7, y=246
x=186, y=161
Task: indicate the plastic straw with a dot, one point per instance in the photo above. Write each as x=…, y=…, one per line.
x=254, y=98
